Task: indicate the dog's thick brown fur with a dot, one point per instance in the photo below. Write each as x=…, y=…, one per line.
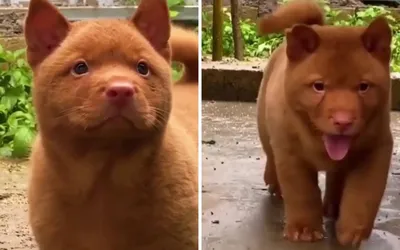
x=323, y=105
x=114, y=166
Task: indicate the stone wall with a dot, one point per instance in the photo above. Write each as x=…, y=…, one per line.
x=11, y=24
x=13, y=43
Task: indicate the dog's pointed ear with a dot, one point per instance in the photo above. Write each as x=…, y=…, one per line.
x=152, y=20
x=377, y=38
x=45, y=28
x=301, y=40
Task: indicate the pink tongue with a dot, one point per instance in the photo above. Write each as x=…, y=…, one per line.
x=337, y=146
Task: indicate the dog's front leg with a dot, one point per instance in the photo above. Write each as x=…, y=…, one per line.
x=301, y=196
x=363, y=190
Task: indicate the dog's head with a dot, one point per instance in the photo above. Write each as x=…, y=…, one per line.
x=338, y=79
x=100, y=77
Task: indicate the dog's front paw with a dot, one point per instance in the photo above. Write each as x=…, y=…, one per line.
x=348, y=235
x=305, y=234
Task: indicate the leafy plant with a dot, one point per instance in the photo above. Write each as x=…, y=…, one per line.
x=172, y=4
x=17, y=120
x=256, y=46
x=363, y=18
x=177, y=71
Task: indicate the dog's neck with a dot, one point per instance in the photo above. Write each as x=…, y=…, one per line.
x=67, y=145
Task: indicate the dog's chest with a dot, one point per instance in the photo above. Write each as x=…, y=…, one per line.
x=106, y=207
x=119, y=209
x=115, y=219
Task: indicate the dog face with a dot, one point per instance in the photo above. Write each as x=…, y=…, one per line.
x=103, y=77
x=338, y=79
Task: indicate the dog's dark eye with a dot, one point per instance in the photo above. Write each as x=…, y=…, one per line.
x=142, y=68
x=363, y=87
x=319, y=86
x=80, y=68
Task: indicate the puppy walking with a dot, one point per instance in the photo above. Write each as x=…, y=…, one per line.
x=323, y=105
x=114, y=166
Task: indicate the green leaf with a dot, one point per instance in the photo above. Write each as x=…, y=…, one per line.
x=16, y=91
x=8, y=101
x=21, y=63
x=17, y=120
x=19, y=53
x=16, y=74
x=174, y=3
x=173, y=13
x=22, y=142
x=5, y=151
x=10, y=133
x=3, y=130
x=5, y=80
x=9, y=56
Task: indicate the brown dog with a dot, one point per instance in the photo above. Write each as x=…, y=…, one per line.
x=114, y=166
x=323, y=105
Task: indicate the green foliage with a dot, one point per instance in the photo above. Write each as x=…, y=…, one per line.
x=364, y=17
x=172, y=4
x=177, y=71
x=256, y=46
x=17, y=120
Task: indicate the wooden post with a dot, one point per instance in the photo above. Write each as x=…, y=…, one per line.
x=217, y=30
x=237, y=32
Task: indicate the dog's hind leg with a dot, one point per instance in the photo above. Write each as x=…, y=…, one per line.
x=270, y=177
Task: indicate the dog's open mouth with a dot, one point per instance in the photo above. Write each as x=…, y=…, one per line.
x=337, y=146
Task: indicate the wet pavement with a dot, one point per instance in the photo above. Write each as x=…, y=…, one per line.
x=239, y=214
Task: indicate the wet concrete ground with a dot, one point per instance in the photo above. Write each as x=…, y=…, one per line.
x=238, y=213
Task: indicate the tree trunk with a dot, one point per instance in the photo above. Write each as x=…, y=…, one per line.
x=237, y=33
x=217, y=30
